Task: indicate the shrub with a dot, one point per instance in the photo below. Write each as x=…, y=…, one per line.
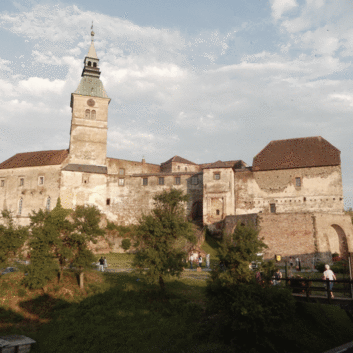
x=320, y=266
x=21, y=292
x=340, y=267
x=126, y=244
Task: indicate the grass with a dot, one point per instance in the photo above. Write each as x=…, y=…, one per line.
x=116, y=261
x=121, y=312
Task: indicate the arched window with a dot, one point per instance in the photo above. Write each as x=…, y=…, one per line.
x=87, y=114
x=20, y=206
x=94, y=64
x=89, y=63
x=93, y=115
x=48, y=204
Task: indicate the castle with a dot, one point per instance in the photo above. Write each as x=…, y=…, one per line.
x=293, y=190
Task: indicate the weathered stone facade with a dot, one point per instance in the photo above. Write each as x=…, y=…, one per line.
x=293, y=191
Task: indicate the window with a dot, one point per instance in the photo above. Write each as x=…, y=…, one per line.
x=87, y=114
x=178, y=167
x=48, y=204
x=94, y=64
x=145, y=181
x=20, y=206
x=194, y=180
x=41, y=180
x=186, y=169
x=161, y=181
x=22, y=181
x=298, y=182
x=93, y=115
x=273, y=208
x=216, y=176
x=121, y=181
x=121, y=171
x=108, y=202
x=85, y=179
x=177, y=181
x=89, y=63
x=217, y=212
x=2, y=183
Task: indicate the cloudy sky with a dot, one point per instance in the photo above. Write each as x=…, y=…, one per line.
x=204, y=80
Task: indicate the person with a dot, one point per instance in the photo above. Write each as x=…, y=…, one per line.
x=277, y=277
x=291, y=262
x=101, y=264
x=200, y=259
x=208, y=260
x=191, y=260
x=105, y=263
x=329, y=275
x=297, y=263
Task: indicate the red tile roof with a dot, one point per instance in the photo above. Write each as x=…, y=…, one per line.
x=297, y=153
x=178, y=159
x=35, y=159
x=226, y=164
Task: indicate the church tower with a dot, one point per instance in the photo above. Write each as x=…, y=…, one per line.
x=89, y=124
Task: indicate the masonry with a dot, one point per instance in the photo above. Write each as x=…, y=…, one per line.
x=293, y=190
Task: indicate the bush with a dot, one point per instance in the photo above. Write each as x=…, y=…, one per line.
x=245, y=308
x=320, y=266
x=21, y=292
x=340, y=267
x=126, y=244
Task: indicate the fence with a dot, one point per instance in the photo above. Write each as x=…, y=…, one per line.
x=305, y=285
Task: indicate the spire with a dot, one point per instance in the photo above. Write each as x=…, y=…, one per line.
x=92, y=51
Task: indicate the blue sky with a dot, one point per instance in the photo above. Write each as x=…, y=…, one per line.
x=204, y=80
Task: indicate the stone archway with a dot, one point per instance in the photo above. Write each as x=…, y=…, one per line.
x=338, y=241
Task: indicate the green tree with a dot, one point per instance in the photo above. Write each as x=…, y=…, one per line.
x=86, y=225
x=158, y=234
x=236, y=254
x=126, y=244
x=12, y=238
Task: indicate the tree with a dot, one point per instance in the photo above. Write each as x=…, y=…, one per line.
x=158, y=234
x=237, y=253
x=86, y=225
x=126, y=244
x=12, y=238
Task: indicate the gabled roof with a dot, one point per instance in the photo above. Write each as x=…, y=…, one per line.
x=34, y=159
x=227, y=164
x=297, y=153
x=178, y=159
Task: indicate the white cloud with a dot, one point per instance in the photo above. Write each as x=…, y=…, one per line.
x=279, y=7
x=38, y=86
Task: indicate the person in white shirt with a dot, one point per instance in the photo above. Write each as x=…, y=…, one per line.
x=191, y=260
x=329, y=275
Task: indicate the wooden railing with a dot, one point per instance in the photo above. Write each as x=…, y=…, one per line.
x=307, y=288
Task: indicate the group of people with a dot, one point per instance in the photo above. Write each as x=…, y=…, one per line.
x=102, y=264
x=198, y=258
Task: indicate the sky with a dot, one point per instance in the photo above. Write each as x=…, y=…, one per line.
x=203, y=80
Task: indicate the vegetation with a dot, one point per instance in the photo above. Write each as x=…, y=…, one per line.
x=12, y=238
x=126, y=244
x=159, y=233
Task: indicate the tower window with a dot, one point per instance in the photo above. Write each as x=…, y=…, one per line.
x=89, y=63
x=108, y=202
x=48, y=204
x=94, y=64
x=22, y=181
x=41, y=180
x=2, y=183
x=161, y=181
x=273, y=208
x=93, y=115
x=217, y=212
x=87, y=114
x=145, y=181
x=20, y=206
x=298, y=182
x=121, y=181
x=177, y=181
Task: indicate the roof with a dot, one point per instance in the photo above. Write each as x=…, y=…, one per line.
x=178, y=159
x=297, y=153
x=35, y=159
x=91, y=86
x=227, y=164
x=92, y=51
x=85, y=168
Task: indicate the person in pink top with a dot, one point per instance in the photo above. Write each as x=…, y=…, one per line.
x=328, y=274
